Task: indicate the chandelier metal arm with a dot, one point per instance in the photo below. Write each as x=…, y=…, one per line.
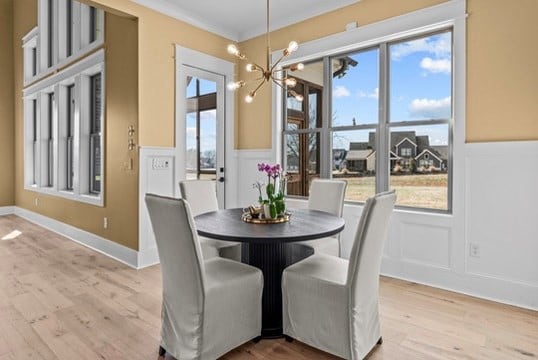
x=268, y=73
x=277, y=62
x=278, y=83
x=259, y=86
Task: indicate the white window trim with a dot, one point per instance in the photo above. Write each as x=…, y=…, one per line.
x=448, y=14
x=30, y=42
x=81, y=45
x=76, y=74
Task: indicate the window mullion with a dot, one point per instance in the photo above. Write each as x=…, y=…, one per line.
x=382, y=138
x=326, y=138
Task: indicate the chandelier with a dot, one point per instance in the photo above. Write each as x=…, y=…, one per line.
x=269, y=73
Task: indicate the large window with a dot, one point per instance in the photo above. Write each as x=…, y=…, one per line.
x=379, y=117
x=64, y=122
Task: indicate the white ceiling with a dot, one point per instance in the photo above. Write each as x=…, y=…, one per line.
x=242, y=19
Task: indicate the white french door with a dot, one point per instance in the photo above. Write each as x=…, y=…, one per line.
x=201, y=123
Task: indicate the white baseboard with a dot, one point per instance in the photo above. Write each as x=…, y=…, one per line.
x=123, y=254
x=7, y=210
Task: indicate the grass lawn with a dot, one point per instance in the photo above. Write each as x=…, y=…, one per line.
x=426, y=191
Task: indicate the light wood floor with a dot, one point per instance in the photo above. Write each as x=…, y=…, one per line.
x=60, y=300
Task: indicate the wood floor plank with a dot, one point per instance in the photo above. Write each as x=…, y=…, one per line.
x=60, y=300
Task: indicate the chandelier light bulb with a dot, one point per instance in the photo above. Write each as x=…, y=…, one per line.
x=299, y=98
x=291, y=82
x=250, y=97
x=251, y=67
x=292, y=46
x=298, y=66
x=235, y=85
x=232, y=49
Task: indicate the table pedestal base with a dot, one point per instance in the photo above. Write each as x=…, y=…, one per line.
x=271, y=259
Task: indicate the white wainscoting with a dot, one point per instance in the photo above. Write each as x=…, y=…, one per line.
x=502, y=215
x=499, y=213
x=247, y=173
x=157, y=176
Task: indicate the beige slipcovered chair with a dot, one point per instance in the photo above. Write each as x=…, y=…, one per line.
x=325, y=195
x=209, y=307
x=331, y=303
x=202, y=197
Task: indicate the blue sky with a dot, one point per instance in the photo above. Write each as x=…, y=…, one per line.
x=420, y=88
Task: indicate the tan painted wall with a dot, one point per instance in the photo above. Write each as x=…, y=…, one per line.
x=502, y=75
x=121, y=184
x=7, y=151
x=502, y=70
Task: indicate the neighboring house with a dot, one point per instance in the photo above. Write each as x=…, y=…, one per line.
x=360, y=160
x=408, y=153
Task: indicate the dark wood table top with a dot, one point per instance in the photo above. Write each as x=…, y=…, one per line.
x=303, y=225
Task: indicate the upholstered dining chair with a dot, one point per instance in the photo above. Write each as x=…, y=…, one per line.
x=325, y=195
x=331, y=303
x=202, y=197
x=209, y=307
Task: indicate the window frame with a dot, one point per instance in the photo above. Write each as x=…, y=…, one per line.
x=418, y=23
x=52, y=49
x=76, y=75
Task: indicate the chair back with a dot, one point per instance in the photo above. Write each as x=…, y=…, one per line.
x=180, y=256
x=367, y=250
x=327, y=195
x=201, y=195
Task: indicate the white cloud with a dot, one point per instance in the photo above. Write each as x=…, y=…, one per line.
x=436, y=66
x=430, y=108
x=340, y=91
x=439, y=45
x=370, y=95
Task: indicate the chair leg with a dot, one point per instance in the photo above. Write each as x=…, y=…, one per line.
x=162, y=352
x=288, y=338
x=380, y=341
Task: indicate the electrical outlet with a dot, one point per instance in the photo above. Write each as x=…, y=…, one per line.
x=474, y=250
x=105, y=223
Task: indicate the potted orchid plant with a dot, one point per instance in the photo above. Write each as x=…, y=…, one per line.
x=274, y=204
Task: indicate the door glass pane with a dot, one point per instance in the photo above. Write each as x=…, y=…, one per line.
x=201, y=129
x=207, y=87
x=419, y=166
x=421, y=78
x=354, y=160
x=208, y=144
x=302, y=161
x=355, y=88
x=192, y=147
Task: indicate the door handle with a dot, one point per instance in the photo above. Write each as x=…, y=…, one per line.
x=221, y=179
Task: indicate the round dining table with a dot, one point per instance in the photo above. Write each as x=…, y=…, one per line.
x=269, y=247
